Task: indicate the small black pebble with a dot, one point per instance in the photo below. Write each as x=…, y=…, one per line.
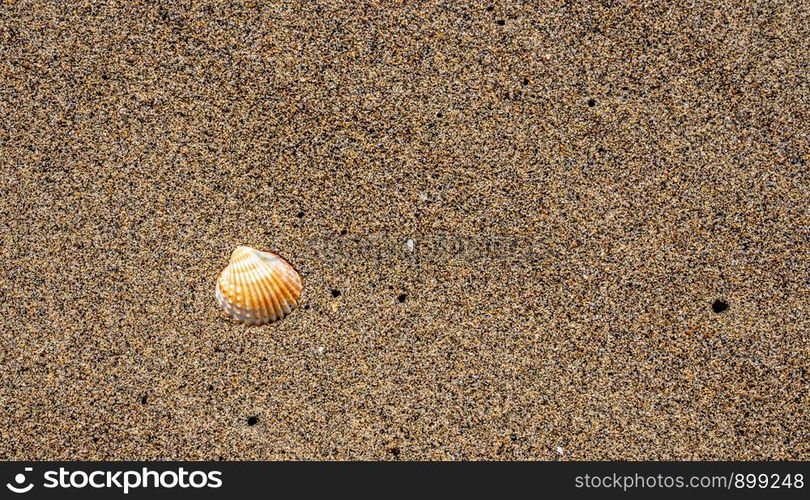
x=306, y=307
x=210, y=387
x=143, y=400
x=394, y=451
x=336, y=293
x=591, y=103
x=525, y=81
x=402, y=297
x=343, y=232
x=439, y=114
x=719, y=306
x=300, y=214
x=500, y=22
x=490, y=8
x=253, y=420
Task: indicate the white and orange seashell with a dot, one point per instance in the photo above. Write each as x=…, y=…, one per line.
x=257, y=288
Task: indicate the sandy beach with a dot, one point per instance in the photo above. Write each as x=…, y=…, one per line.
x=526, y=230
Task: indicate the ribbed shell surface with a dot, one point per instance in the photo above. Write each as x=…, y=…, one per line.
x=258, y=287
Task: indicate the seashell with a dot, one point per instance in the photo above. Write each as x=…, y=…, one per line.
x=257, y=288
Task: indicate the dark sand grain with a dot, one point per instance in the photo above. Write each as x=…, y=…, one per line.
x=581, y=184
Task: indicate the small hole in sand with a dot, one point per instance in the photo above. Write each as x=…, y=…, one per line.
x=253, y=420
x=402, y=297
x=336, y=293
x=719, y=306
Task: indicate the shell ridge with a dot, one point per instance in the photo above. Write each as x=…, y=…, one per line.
x=264, y=302
x=237, y=297
x=250, y=298
x=293, y=291
x=271, y=298
x=278, y=294
x=288, y=291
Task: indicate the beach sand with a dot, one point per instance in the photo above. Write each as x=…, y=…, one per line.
x=580, y=184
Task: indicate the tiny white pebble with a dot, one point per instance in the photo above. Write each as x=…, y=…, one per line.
x=320, y=349
x=423, y=196
x=409, y=244
x=560, y=450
